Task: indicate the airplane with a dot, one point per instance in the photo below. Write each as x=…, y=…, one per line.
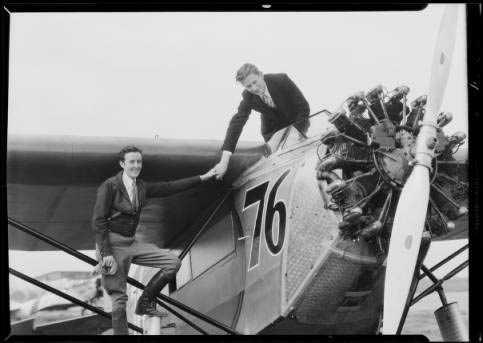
x=304, y=234
x=41, y=313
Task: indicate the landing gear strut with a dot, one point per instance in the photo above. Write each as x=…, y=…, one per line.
x=451, y=323
x=448, y=316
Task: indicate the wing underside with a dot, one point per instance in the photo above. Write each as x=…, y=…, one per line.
x=52, y=183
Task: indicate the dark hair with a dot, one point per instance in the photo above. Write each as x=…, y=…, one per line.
x=246, y=70
x=127, y=149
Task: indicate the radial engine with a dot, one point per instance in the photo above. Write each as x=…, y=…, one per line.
x=370, y=154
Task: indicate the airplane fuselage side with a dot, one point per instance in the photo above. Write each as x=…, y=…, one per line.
x=298, y=274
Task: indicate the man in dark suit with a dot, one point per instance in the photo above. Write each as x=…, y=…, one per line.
x=275, y=97
x=120, y=200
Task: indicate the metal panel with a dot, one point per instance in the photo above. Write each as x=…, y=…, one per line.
x=327, y=291
x=263, y=287
x=312, y=228
x=217, y=292
x=212, y=246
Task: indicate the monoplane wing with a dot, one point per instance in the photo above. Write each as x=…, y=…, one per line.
x=52, y=183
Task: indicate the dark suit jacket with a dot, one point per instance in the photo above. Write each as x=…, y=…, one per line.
x=114, y=211
x=289, y=102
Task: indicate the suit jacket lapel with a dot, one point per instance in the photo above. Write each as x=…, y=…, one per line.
x=277, y=97
x=272, y=89
x=121, y=186
x=141, y=193
x=257, y=101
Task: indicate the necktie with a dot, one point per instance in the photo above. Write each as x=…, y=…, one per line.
x=135, y=203
x=268, y=100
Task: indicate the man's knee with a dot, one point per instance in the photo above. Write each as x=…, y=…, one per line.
x=173, y=267
x=177, y=264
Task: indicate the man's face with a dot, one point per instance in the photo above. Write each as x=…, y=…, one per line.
x=254, y=83
x=132, y=164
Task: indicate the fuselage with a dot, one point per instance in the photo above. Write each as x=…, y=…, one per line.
x=272, y=261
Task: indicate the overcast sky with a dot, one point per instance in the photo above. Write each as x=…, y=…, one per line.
x=173, y=74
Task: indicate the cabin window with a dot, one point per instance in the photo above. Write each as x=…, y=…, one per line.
x=214, y=245
x=211, y=247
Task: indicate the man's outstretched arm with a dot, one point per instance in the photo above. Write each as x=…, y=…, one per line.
x=235, y=128
x=165, y=188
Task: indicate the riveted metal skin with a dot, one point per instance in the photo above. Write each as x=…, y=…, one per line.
x=311, y=230
x=325, y=273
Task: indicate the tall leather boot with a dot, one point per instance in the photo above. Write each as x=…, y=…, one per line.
x=147, y=301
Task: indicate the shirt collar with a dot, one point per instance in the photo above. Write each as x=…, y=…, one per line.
x=128, y=182
x=266, y=92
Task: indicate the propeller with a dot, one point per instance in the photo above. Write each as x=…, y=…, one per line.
x=412, y=206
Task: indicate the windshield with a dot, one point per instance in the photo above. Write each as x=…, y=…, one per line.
x=300, y=131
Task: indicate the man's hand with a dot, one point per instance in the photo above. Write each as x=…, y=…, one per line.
x=220, y=170
x=108, y=265
x=208, y=175
x=222, y=166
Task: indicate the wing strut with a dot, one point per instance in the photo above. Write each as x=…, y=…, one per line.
x=451, y=333
x=446, y=260
x=437, y=286
x=161, y=297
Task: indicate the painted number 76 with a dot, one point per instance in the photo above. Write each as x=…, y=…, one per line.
x=257, y=195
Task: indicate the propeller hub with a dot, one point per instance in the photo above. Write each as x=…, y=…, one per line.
x=393, y=165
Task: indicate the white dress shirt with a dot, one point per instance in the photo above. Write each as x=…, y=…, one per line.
x=128, y=183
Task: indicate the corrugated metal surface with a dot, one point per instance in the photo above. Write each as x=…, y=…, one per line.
x=327, y=290
x=311, y=227
x=336, y=294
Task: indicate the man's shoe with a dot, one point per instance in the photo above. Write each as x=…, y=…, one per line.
x=143, y=305
x=147, y=301
x=146, y=307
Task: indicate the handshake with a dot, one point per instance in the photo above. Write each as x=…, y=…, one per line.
x=219, y=170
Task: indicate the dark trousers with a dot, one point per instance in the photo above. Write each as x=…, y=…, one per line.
x=127, y=250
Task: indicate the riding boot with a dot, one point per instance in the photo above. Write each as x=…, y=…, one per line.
x=147, y=301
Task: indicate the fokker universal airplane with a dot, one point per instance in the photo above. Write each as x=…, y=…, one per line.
x=322, y=232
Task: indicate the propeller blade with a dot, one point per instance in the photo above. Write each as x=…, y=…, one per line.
x=412, y=206
x=404, y=246
x=443, y=54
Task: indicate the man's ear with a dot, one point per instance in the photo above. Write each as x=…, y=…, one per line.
x=121, y=163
